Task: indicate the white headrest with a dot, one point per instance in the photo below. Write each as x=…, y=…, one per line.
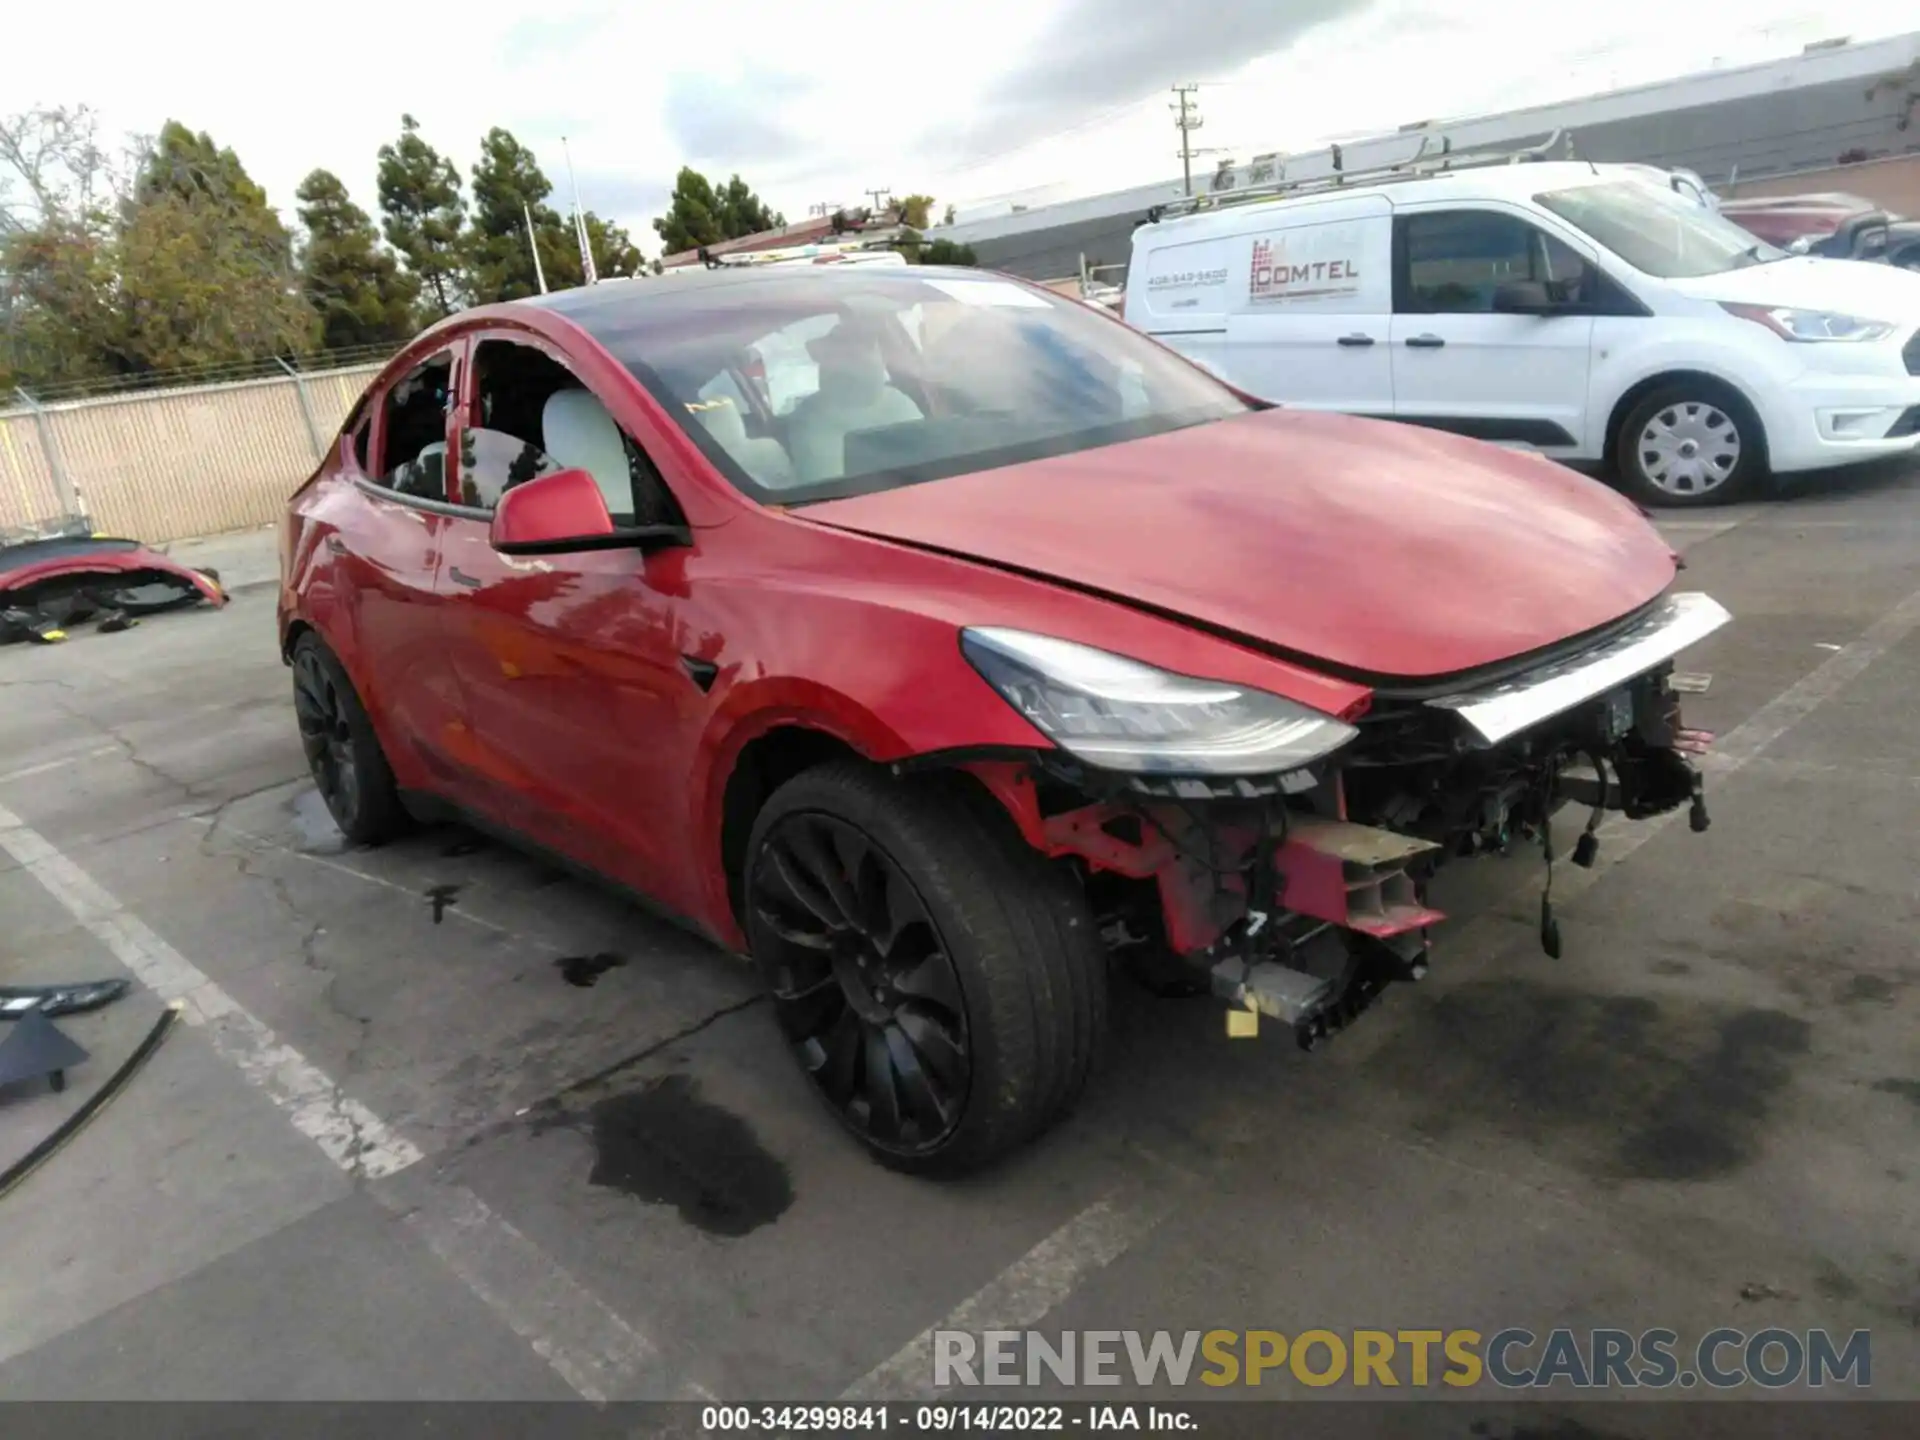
x=580, y=435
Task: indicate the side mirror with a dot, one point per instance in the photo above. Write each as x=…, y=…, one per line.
x=565, y=512
x=1525, y=297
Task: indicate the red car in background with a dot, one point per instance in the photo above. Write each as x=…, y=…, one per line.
x=936, y=640
x=1833, y=225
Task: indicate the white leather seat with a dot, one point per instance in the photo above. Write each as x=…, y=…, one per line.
x=579, y=434
x=764, y=459
x=853, y=395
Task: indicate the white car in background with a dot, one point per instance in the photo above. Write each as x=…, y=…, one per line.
x=1567, y=307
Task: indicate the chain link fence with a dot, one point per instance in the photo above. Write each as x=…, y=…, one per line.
x=165, y=457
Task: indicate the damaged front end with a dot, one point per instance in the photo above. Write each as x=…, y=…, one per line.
x=58, y=576
x=1243, y=843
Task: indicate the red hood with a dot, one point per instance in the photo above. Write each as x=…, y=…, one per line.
x=1383, y=549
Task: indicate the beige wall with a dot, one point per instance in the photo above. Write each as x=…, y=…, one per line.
x=1893, y=184
x=165, y=464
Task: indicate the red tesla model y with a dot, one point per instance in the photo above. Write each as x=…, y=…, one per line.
x=937, y=640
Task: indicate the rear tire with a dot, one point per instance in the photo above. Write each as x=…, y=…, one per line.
x=1690, y=443
x=940, y=982
x=349, y=767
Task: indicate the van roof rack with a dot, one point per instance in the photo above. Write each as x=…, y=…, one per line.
x=824, y=250
x=1427, y=160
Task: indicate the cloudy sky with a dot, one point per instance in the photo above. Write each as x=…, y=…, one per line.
x=815, y=101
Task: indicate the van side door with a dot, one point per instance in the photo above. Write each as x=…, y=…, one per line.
x=1459, y=362
x=1310, y=314
x=1177, y=287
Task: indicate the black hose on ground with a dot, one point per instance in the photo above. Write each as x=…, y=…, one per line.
x=96, y=1102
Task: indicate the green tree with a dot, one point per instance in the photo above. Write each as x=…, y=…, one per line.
x=915, y=212
x=353, y=284
x=744, y=213
x=57, y=316
x=699, y=214
x=614, y=253
x=424, y=216
x=189, y=166
x=205, y=265
x=692, y=217
x=945, y=252
x=947, y=218
x=508, y=187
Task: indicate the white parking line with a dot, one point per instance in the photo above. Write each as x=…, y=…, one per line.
x=587, y=1344
x=1025, y=1292
x=590, y=1347
x=46, y=765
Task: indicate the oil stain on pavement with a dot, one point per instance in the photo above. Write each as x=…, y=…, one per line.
x=1641, y=1089
x=666, y=1145
x=583, y=970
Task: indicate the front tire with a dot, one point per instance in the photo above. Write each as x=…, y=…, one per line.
x=939, y=982
x=349, y=767
x=1690, y=443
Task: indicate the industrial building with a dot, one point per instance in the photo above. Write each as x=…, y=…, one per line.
x=1838, y=116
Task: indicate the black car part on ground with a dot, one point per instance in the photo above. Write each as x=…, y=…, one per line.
x=74, y=1123
x=37, y=1049
x=69, y=998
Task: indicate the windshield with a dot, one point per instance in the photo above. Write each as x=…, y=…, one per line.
x=1657, y=232
x=804, y=385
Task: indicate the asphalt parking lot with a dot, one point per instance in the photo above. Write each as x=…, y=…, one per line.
x=408, y=1154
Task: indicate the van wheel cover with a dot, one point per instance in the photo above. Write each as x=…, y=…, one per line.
x=1689, y=449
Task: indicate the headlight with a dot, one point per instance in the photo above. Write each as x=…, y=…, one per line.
x=1119, y=714
x=1811, y=324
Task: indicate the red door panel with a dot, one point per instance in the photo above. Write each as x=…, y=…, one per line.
x=584, y=719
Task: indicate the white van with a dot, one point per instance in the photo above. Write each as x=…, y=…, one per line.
x=1571, y=308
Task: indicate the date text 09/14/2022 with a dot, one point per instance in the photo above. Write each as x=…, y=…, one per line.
x=983, y=1419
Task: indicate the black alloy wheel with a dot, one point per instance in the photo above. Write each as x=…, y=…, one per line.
x=349, y=768
x=862, y=983
x=939, y=981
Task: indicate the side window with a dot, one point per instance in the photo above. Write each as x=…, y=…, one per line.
x=1456, y=259
x=413, y=448
x=534, y=417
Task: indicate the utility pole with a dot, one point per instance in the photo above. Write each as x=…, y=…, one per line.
x=1186, y=119
x=877, y=195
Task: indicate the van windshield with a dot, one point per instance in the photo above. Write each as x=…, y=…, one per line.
x=805, y=384
x=1657, y=232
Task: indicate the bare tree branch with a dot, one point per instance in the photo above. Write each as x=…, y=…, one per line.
x=53, y=154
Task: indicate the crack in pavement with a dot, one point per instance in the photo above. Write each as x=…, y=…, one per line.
x=341, y=1106
x=192, y=790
